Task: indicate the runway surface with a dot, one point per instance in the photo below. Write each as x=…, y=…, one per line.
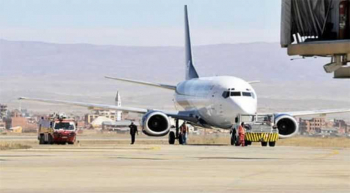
x=165, y=168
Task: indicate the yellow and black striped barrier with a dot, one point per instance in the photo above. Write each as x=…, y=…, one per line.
x=265, y=137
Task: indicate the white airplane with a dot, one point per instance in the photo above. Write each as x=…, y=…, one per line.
x=207, y=101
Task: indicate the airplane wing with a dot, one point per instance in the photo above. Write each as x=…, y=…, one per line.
x=166, y=86
x=190, y=116
x=316, y=112
x=254, y=81
x=88, y=105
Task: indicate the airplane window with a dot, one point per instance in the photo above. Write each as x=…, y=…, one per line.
x=247, y=94
x=235, y=93
x=253, y=95
x=226, y=94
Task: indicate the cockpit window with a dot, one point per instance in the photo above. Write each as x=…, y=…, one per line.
x=248, y=94
x=235, y=93
x=226, y=94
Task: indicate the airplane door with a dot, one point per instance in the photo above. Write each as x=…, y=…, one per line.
x=214, y=102
x=218, y=102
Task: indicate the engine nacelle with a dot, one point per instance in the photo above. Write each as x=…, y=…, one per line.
x=287, y=125
x=155, y=123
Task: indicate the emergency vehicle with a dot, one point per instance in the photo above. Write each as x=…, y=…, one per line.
x=57, y=130
x=258, y=128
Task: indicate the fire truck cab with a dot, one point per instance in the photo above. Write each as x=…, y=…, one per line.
x=64, y=131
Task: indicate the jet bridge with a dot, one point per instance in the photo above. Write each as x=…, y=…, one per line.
x=312, y=28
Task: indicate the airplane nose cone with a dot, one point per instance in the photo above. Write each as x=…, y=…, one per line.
x=246, y=108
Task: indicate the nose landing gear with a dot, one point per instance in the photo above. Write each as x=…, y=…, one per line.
x=175, y=135
x=172, y=137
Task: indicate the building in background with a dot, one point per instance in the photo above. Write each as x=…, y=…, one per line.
x=22, y=119
x=110, y=114
x=3, y=111
x=341, y=126
x=20, y=113
x=320, y=125
x=2, y=126
x=312, y=126
x=329, y=131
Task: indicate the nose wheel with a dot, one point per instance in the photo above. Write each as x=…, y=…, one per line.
x=172, y=137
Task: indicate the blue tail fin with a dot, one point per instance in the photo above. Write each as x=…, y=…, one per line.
x=190, y=70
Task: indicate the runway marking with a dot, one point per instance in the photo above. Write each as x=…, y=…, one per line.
x=156, y=148
x=333, y=153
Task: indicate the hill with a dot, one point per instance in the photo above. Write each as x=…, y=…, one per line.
x=76, y=71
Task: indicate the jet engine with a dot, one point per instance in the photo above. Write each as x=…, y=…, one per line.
x=287, y=126
x=155, y=123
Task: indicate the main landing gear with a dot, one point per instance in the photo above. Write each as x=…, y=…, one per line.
x=175, y=135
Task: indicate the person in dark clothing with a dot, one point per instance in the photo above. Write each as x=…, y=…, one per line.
x=133, y=131
x=233, y=135
x=184, y=133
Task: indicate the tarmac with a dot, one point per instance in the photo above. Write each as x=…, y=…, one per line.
x=174, y=168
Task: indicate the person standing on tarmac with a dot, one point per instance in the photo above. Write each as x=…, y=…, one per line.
x=241, y=134
x=184, y=132
x=233, y=135
x=133, y=131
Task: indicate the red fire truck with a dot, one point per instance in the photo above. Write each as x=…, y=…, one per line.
x=57, y=130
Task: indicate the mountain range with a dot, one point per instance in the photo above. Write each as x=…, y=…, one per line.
x=76, y=72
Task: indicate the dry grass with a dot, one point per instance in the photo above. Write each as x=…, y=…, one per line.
x=12, y=145
x=8, y=133
x=120, y=139
x=316, y=142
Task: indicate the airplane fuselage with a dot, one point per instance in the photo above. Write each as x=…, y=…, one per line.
x=217, y=100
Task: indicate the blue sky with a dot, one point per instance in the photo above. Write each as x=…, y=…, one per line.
x=140, y=22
